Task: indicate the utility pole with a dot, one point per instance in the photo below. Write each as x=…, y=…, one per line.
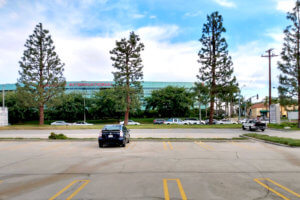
x=270, y=55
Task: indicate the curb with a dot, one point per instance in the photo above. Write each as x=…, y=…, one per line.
x=268, y=142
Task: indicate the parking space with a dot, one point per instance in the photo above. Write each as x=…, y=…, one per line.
x=148, y=170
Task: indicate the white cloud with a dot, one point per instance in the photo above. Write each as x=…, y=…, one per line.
x=2, y=3
x=138, y=16
x=252, y=70
x=152, y=17
x=226, y=3
x=88, y=58
x=285, y=5
x=193, y=14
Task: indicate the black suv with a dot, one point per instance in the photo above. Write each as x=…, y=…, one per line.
x=114, y=134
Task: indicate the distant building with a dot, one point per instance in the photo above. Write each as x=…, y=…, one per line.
x=89, y=87
x=262, y=110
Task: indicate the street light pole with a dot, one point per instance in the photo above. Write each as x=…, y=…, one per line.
x=270, y=55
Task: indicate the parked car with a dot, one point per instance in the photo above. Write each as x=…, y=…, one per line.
x=226, y=121
x=114, y=134
x=173, y=121
x=254, y=125
x=241, y=121
x=60, y=123
x=192, y=121
x=158, y=121
x=130, y=122
x=82, y=123
x=214, y=121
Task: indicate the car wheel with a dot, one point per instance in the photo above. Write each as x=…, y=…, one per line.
x=124, y=144
x=262, y=130
x=243, y=128
x=128, y=140
x=250, y=129
x=100, y=145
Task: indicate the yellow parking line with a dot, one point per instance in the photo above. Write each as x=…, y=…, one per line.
x=168, y=146
x=171, y=147
x=68, y=186
x=165, y=146
x=166, y=190
x=204, y=146
x=258, y=180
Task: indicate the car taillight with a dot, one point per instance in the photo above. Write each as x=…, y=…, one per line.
x=121, y=134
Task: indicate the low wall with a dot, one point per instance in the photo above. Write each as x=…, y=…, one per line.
x=3, y=116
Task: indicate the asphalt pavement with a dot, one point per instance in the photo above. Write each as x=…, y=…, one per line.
x=44, y=170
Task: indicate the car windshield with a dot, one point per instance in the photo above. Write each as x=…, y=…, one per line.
x=112, y=127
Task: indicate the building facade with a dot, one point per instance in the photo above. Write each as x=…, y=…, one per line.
x=89, y=87
x=262, y=110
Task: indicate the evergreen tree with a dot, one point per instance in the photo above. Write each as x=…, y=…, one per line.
x=129, y=69
x=41, y=74
x=289, y=79
x=216, y=65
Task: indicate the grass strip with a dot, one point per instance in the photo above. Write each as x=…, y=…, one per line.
x=280, y=140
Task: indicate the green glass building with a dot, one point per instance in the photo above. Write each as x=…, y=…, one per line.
x=91, y=86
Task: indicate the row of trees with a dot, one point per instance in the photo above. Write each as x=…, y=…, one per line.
x=42, y=81
x=109, y=104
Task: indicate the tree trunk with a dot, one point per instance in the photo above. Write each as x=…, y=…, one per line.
x=211, y=110
x=127, y=109
x=200, y=117
x=41, y=111
x=213, y=84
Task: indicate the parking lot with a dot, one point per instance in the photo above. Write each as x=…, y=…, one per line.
x=148, y=170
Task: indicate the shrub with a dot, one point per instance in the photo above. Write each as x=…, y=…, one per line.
x=60, y=136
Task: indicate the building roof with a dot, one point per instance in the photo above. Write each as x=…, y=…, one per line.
x=258, y=105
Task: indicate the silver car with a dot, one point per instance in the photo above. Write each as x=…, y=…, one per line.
x=60, y=123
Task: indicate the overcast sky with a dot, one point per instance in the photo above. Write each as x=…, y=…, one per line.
x=85, y=31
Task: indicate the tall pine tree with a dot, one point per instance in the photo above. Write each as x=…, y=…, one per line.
x=127, y=61
x=216, y=65
x=289, y=79
x=41, y=74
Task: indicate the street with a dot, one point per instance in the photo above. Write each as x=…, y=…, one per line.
x=148, y=170
x=148, y=133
